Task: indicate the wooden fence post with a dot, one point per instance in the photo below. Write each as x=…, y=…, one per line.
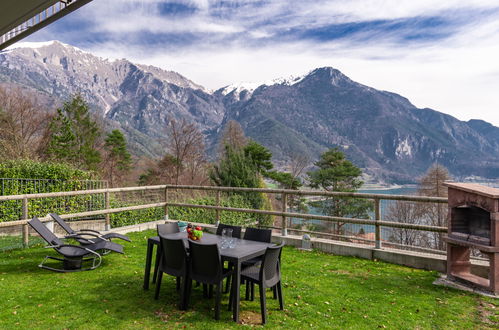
x=217, y=212
x=108, y=206
x=284, y=231
x=377, y=217
x=166, y=203
x=25, y=226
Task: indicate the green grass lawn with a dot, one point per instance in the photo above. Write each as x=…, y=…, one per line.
x=320, y=291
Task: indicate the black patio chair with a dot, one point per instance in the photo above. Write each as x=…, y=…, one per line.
x=86, y=236
x=174, y=261
x=167, y=228
x=206, y=267
x=266, y=275
x=163, y=229
x=73, y=255
x=236, y=230
x=254, y=234
x=260, y=235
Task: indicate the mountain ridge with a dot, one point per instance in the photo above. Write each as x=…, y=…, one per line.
x=382, y=132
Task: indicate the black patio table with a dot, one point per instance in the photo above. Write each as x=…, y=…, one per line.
x=242, y=251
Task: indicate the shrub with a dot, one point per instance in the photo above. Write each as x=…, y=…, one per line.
x=188, y=214
x=30, y=169
x=28, y=177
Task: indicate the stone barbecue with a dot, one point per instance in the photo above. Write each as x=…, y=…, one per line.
x=473, y=223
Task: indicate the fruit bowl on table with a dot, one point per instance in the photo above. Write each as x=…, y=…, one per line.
x=194, y=232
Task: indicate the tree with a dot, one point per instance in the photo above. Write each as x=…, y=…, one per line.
x=238, y=169
x=260, y=156
x=287, y=181
x=187, y=146
x=235, y=169
x=297, y=164
x=431, y=184
x=162, y=171
x=335, y=173
x=185, y=163
x=61, y=139
x=291, y=180
x=233, y=136
x=406, y=212
x=117, y=160
x=21, y=121
x=74, y=135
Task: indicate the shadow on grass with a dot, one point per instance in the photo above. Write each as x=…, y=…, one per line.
x=26, y=260
x=130, y=302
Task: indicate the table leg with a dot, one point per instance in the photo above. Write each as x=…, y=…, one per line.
x=147, y=270
x=236, y=282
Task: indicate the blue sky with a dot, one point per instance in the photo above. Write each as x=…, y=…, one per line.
x=440, y=54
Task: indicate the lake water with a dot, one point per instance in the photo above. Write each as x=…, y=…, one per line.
x=353, y=229
x=402, y=190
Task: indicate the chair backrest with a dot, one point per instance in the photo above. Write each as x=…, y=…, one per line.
x=205, y=263
x=270, y=271
x=173, y=256
x=44, y=232
x=257, y=234
x=168, y=228
x=236, y=230
x=62, y=223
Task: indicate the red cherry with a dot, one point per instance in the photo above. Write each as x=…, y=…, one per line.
x=198, y=228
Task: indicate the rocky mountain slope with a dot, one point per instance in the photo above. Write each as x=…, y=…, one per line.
x=140, y=99
x=380, y=131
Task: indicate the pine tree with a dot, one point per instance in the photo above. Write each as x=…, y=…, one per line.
x=118, y=159
x=260, y=156
x=62, y=143
x=235, y=169
x=73, y=135
x=238, y=169
x=336, y=173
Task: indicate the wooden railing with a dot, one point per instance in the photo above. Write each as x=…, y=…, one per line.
x=378, y=223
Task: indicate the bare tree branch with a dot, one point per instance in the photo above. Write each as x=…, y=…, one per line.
x=187, y=147
x=22, y=123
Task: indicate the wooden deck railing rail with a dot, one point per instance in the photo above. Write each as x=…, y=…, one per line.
x=377, y=198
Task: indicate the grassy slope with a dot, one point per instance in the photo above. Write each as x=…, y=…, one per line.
x=320, y=291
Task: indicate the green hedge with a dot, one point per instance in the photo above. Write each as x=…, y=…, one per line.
x=12, y=210
x=27, y=177
x=30, y=169
x=191, y=214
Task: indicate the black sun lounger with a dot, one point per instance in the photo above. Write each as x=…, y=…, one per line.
x=73, y=255
x=86, y=236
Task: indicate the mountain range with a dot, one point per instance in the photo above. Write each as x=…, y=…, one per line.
x=381, y=132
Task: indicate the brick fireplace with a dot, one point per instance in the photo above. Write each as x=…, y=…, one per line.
x=473, y=223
